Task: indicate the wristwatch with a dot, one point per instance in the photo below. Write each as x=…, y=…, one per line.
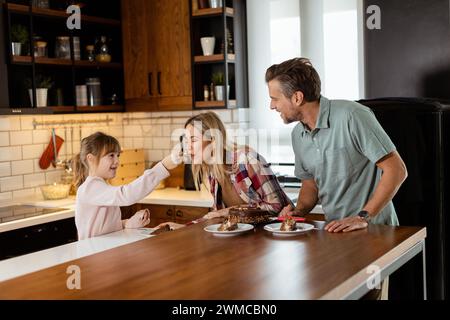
x=364, y=215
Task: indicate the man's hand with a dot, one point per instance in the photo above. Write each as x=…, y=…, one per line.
x=346, y=225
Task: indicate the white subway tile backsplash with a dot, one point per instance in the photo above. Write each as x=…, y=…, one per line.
x=10, y=153
x=4, y=139
x=21, y=137
x=166, y=131
x=26, y=122
x=127, y=143
x=161, y=143
x=224, y=115
x=132, y=131
x=11, y=183
x=5, y=196
x=241, y=115
x=5, y=169
x=116, y=131
x=41, y=136
x=154, y=155
x=24, y=194
x=33, y=180
x=22, y=167
x=148, y=143
x=138, y=143
x=186, y=114
x=9, y=123
x=179, y=120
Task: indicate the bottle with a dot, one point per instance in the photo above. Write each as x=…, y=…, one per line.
x=205, y=92
x=211, y=92
x=103, y=51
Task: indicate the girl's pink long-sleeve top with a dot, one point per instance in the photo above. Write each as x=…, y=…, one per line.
x=98, y=204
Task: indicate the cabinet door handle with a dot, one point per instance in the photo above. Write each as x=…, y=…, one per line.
x=150, y=75
x=169, y=212
x=159, y=83
x=179, y=213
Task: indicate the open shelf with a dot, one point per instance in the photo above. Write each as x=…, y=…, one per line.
x=18, y=8
x=208, y=12
x=214, y=58
x=214, y=104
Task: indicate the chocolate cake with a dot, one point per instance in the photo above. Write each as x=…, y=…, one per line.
x=229, y=224
x=250, y=214
x=288, y=224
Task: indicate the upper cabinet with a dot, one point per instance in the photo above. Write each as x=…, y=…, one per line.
x=47, y=67
x=157, y=55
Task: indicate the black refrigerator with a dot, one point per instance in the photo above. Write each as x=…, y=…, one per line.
x=420, y=129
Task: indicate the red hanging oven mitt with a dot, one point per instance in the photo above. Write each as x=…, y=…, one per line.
x=49, y=156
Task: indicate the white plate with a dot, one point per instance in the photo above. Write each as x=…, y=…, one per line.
x=301, y=228
x=242, y=227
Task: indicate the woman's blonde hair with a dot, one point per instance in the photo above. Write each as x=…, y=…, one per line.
x=97, y=144
x=212, y=129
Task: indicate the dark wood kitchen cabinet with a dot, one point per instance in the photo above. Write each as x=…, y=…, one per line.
x=166, y=213
x=157, y=56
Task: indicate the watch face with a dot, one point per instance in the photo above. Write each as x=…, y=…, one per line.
x=363, y=214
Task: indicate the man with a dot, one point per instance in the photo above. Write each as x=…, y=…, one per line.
x=343, y=156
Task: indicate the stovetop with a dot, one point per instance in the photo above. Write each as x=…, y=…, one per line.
x=17, y=212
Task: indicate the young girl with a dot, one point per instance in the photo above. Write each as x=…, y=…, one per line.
x=98, y=203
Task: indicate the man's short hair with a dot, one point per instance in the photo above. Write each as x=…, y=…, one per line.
x=296, y=74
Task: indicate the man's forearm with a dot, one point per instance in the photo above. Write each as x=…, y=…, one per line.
x=307, y=198
x=385, y=191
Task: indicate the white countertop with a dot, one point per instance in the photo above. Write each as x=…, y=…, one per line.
x=32, y=262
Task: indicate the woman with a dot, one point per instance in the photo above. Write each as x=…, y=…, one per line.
x=234, y=175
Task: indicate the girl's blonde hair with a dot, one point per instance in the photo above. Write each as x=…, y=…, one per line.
x=97, y=144
x=212, y=129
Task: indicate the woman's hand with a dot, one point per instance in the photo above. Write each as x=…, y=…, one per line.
x=216, y=214
x=346, y=225
x=172, y=225
x=138, y=220
x=287, y=211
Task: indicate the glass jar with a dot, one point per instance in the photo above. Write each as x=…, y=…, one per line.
x=90, y=54
x=39, y=47
x=94, y=91
x=62, y=47
x=103, y=51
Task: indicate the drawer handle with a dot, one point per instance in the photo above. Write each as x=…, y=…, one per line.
x=159, y=83
x=150, y=74
x=179, y=213
x=169, y=212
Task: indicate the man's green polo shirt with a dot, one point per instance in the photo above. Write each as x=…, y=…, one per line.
x=340, y=155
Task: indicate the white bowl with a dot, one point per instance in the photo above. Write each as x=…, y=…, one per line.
x=55, y=191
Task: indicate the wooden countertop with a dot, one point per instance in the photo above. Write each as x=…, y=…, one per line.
x=192, y=264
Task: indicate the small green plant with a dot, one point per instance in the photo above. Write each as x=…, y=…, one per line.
x=19, y=33
x=41, y=82
x=218, y=79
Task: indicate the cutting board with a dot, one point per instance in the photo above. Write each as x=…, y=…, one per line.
x=132, y=166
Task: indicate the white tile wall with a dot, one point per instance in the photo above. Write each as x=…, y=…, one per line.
x=21, y=145
x=5, y=169
x=10, y=153
x=11, y=183
x=4, y=139
x=22, y=167
x=18, y=138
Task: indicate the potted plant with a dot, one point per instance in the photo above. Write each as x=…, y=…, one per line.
x=219, y=85
x=19, y=37
x=42, y=86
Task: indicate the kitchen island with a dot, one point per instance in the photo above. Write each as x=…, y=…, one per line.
x=192, y=264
